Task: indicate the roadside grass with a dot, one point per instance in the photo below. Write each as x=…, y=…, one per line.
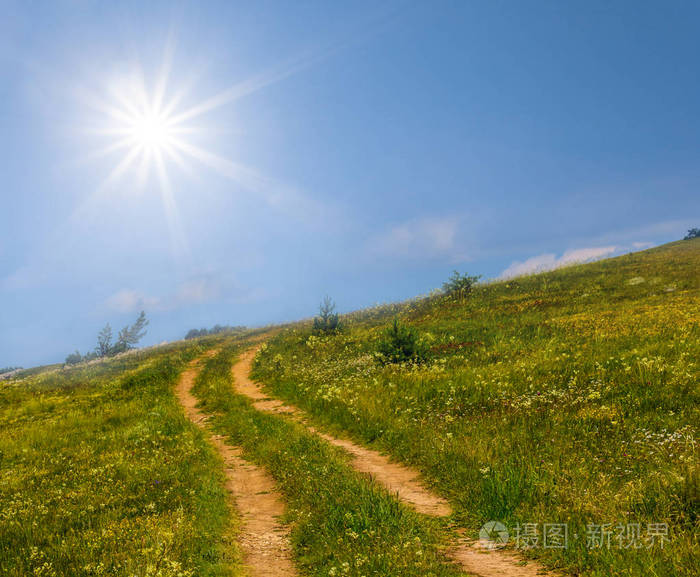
x=101, y=474
x=569, y=397
x=342, y=523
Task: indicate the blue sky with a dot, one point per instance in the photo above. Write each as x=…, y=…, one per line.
x=363, y=150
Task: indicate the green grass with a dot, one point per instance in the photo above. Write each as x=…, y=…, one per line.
x=101, y=474
x=342, y=523
x=565, y=397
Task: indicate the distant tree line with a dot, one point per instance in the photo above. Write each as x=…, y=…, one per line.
x=692, y=233
x=127, y=339
x=215, y=330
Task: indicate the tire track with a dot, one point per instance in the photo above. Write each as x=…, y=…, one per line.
x=263, y=539
x=398, y=479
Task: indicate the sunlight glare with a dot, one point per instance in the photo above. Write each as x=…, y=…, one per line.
x=151, y=130
x=148, y=128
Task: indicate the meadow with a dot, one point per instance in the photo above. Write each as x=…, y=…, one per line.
x=342, y=522
x=565, y=399
x=101, y=474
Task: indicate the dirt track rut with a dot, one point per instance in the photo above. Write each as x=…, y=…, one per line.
x=263, y=539
x=398, y=479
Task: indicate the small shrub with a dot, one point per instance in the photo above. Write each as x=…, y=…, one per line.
x=328, y=321
x=401, y=343
x=196, y=333
x=692, y=233
x=460, y=284
x=74, y=358
x=215, y=330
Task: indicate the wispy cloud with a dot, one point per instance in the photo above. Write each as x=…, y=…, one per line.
x=199, y=290
x=424, y=238
x=127, y=301
x=550, y=261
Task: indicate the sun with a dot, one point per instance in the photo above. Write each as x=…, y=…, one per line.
x=147, y=126
x=142, y=122
x=152, y=130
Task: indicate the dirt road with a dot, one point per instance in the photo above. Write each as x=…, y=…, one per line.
x=263, y=539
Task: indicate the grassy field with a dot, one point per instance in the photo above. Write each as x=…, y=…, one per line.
x=568, y=398
x=100, y=474
x=343, y=524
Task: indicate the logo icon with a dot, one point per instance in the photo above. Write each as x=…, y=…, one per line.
x=493, y=535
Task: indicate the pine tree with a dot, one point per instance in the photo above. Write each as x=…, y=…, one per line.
x=328, y=320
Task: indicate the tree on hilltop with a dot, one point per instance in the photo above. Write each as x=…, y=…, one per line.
x=327, y=321
x=104, y=341
x=129, y=336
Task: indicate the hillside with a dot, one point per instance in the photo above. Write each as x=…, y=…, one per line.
x=568, y=398
x=101, y=475
x=565, y=397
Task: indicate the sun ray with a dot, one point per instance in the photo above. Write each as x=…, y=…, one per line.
x=120, y=169
x=164, y=74
x=178, y=241
x=178, y=159
x=144, y=169
x=245, y=88
x=233, y=170
x=113, y=112
x=82, y=210
x=120, y=144
x=273, y=193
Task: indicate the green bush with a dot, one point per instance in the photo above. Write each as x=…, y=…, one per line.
x=460, y=284
x=328, y=321
x=74, y=358
x=401, y=343
x=692, y=233
x=215, y=330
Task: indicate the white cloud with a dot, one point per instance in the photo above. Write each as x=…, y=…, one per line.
x=535, y=264
x=580, y=255
x=549, y=261
x=420, y=238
